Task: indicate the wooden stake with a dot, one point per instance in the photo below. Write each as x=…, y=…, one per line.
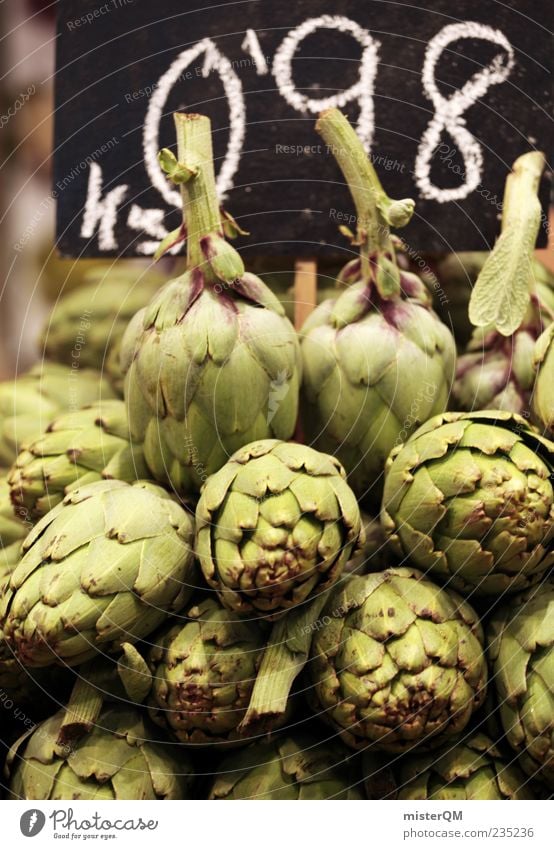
x=305, y=290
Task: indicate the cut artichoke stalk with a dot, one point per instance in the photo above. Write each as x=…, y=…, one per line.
x=212, y=363
x=543, y=391
x=510, y=305
x=106, y=566
x=78, y=448
x=377, y=361
x=95, y=751
x=521, y=651
x=470, y=498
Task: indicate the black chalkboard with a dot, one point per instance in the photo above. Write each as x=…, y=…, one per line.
x=262, y=69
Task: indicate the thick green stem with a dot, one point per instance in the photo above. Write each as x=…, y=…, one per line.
x=200, y=204
x=82, y=712
x=375, y=211
x=284, y=658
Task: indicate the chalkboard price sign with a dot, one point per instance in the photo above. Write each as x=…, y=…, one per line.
x=443, y=106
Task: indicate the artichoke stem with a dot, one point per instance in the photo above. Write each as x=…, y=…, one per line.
x=284, y=658
x=82, y=712
x=375, y=211
x=201, y=213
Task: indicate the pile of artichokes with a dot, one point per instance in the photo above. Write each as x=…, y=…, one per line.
x=248, y=561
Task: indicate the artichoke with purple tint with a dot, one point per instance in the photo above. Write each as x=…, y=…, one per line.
x=377, y=361
x=511, y=304
x=212, y=363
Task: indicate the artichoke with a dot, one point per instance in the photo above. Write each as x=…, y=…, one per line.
x=293, y=768
x=470, y=497
x=377, y=361
x=120, y=758
x=77, y=448
x=87, y=324
x=496, y=372
x=543, y=393
x=521, y=650
x=203, y=672
x=14, y=680
x=275, y=526
x=28, y=404
x=104, y=567
x=13, y=529
x=212, y=363
x=396, y=661
x=469, y=770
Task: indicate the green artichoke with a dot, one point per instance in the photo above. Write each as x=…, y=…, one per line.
x=396, y=661
x=297, y=768
x=521, y=650
x=87, y=323
x=77, y=448
x=104, y=567
x=28, y=404
x=496, y=372
x=470, y=498
x=212, y=363
x=543, y=392
x=14, y=680
x=377, y=361
x=469, y=770
x=120, y=758
x=203, y=672
x=275, y=526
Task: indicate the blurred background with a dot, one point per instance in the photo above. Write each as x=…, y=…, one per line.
x=32, y=275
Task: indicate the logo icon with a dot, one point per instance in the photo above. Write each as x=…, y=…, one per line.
x=32, y=822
